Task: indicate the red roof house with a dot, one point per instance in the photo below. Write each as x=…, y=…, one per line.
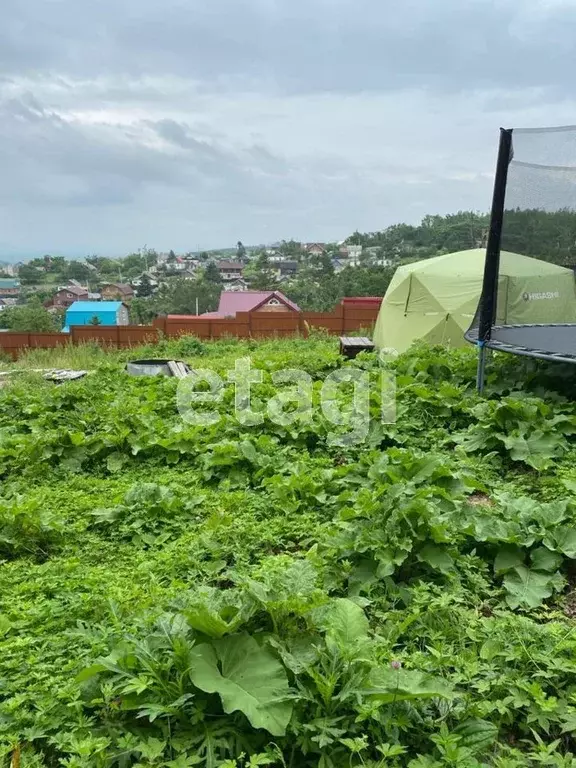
x=232, y=302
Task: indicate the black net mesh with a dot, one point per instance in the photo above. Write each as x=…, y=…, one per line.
x=536, y=297
x=540, y=211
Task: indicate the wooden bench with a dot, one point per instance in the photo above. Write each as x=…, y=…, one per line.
x=350, y=346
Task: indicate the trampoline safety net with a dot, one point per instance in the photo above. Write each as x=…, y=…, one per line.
x=528, y=302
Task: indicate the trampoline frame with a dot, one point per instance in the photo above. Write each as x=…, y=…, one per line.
x=482, y=336
x=518, y=349
x=489, y=295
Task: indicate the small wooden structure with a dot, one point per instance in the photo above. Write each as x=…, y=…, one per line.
x=158, y=368
x=180, y=370
x=350, y=346
x=59, y=375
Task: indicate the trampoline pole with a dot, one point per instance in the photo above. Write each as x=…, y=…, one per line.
x=489, y=297
x=481, y=367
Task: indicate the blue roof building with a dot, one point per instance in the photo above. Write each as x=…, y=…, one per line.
x=107, y=312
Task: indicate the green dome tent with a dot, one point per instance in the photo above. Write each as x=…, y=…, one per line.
x=435, y=300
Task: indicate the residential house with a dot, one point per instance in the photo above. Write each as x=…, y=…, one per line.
x=232, y=302
x=314, y=249
x=5, y=303
x=354, y=255
x=237, y=285
x=188, y=274
x=274, y=256
x=192, y=262
x=107, y=313
x=137, y=282
x=230, y=270
x=66, y=296
x=375, y=257
x=339, y=264
x=119, y=291
x=9, y=288
x=284, y=270
x=180, y=265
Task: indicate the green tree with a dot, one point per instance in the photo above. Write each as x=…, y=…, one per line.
x=212, y=273
x=321, y=265
x=260, y=275
x=29, y=317
x=143, y=310
x=31, y=275
x=145, y=286
x=57, y=265
x=106, y=268
x=240, y=251
x=76, y=270
x=132, y=265
x=177, y=296
x=321, y=293
x=291, y=249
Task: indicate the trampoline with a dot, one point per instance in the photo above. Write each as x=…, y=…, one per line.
x=534, y=214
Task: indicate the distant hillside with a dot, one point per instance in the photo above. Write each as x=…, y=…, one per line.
x=545, y=235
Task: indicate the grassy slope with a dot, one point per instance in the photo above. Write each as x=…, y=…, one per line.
x=71, y=587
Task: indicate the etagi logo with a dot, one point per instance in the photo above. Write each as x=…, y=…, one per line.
x=344, y=397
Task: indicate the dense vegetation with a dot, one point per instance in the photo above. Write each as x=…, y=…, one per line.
x=546, y=235
x=319, y=281
x=173, y=595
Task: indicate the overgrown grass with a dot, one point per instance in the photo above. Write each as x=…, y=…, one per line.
x=173, y=595
x=90, y=356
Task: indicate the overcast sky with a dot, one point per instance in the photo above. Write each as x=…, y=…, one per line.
x=194, y=123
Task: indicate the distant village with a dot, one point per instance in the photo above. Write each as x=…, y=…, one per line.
x=146, y=273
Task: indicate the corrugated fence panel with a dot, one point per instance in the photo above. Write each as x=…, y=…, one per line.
x=191, y=327
x=272, y=324
x=11, y=343
x=258, y=324
x=102, y=334
x=133, y=335
x=229, y=327
x=327, y=320
x=359, y=317
x=48, y=340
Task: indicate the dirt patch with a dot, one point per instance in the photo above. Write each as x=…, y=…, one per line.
x=570, y=605
x=480, y=500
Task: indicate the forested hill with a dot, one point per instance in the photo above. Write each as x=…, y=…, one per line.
x=545, y=235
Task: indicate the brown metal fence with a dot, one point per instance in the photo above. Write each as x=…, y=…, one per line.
x=343, y=319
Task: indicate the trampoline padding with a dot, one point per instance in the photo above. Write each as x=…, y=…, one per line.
x=548, y=342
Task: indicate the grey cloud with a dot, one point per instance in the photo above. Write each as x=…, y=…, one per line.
x=197, y=123
x=299, y=45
